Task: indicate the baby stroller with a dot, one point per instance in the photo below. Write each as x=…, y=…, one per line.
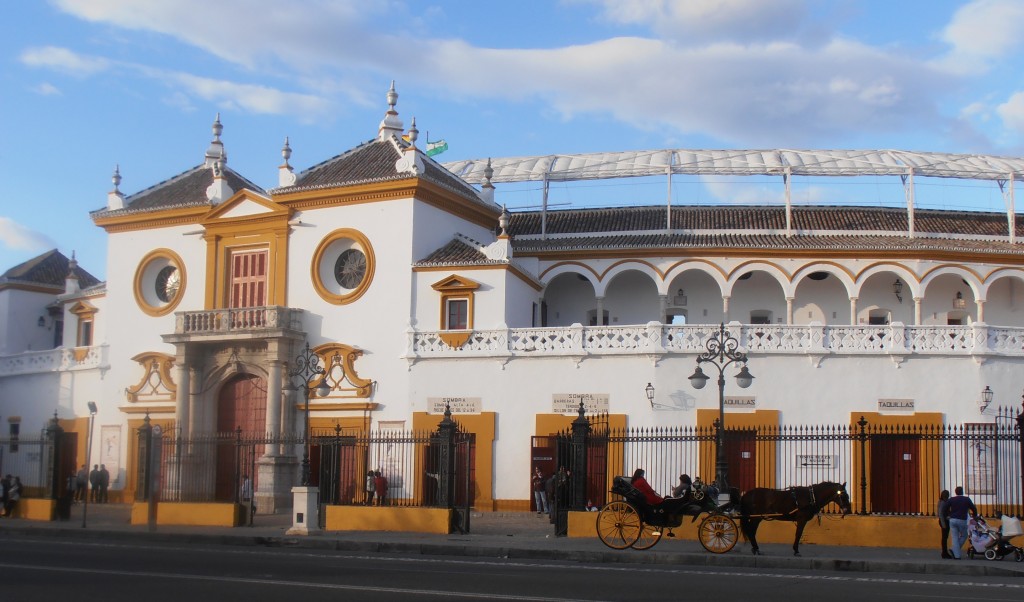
x=994, y=543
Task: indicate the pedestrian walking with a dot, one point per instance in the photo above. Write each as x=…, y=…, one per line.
x=958, y=509
x=81, y=484
x=94, y=482
x=370, y=488
x=380, y=487
x=943, y=513
x=104, y=483
x=13, y=496
x=540, y=498
x=5, y=487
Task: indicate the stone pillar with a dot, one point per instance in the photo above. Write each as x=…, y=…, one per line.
x=183, y=375
x=853, y=310
x=981, y=309
x=274, y=403
x=789, y=310
x=600, y=311
x=663, y=305
x=725, y=309
x=917, y=311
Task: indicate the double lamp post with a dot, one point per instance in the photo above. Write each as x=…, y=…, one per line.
x=722, y=350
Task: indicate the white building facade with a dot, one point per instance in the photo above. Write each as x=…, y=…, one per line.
x=415, y=288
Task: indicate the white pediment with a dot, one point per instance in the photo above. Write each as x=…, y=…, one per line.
x=245, y=208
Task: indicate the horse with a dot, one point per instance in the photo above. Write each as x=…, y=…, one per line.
x=797, y=504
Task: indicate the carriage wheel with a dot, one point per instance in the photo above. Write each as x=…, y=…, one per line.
x=649, y=535
x=619, y=525
x=990, y=554
x=718, y=533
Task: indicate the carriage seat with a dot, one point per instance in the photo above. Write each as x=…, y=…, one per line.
x=622, y=486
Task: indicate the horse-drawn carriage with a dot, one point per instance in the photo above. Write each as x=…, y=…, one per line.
x=633, y=522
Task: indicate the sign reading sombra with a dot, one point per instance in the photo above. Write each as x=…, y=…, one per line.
x=569, y=403
x=458, y=405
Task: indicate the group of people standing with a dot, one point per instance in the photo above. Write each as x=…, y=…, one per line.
x=10, y=494
x=545, y=489
x=376, y=485
x=94, y=484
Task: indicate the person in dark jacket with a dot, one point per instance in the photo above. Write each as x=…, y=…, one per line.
x=943, y=513
x=958, y=509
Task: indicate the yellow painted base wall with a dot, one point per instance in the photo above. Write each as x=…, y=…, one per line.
x=193, y=515
x=36, y=509
x=416, y=520
x=853, y=530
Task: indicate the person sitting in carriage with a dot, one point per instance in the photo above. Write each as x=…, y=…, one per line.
x=640, y=483
x=684, y=488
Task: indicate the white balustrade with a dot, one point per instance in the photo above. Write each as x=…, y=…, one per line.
x=816, y=340
x=55, y=360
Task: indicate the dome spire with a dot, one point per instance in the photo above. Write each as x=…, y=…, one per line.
x=285, y=175
x=391, y=125
x=216, y=151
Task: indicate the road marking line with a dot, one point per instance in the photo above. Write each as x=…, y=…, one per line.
x=329, y=586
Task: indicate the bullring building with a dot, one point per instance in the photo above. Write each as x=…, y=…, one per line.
x=417, y=291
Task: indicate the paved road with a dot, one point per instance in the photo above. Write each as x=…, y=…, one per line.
x=514, y=536
x=47, y=568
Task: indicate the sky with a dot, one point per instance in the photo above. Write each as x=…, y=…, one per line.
x=87, y=85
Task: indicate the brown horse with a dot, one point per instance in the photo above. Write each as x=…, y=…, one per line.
x=797, y=504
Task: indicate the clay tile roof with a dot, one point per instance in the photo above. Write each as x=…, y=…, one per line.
x=49, y=269
x=814, y=228
x=373, y=161
x=456, y=252
x=183, y=190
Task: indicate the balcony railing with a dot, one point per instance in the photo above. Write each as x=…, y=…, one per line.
x=896, y=340
x=55, y=360
x=238, y=320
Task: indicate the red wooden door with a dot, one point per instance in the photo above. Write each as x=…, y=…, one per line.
x=894, y=474
x=248, y=287
x=242, y=403
x=741, y=458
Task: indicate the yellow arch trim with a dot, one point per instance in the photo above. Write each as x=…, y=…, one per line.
x=140, y=298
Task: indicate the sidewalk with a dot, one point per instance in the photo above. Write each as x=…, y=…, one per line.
x=515, y=535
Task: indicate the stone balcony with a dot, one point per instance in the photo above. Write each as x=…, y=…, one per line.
x=56, y=360
x=236, y=323
x=815, y=341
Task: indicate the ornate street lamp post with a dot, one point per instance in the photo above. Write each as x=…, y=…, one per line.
x=721, y=351
x=307, y=367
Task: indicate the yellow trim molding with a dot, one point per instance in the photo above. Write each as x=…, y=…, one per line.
x=145, y=276
x=156, y=381
x=339, y=358
x=263, y=230
x=326, y=255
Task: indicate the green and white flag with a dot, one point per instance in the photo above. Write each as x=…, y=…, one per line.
x=436, y=148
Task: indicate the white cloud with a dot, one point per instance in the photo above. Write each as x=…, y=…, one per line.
x=17, y=236
x=700, y=21
x=46, y=89
x=1012, y=112
x=249, y=97
x=981, y=32
x=733, y=74
x=64, y=61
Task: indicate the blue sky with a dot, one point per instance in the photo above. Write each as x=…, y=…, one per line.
x=89, y=84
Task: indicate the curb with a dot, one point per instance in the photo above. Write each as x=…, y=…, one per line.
x=518, y=552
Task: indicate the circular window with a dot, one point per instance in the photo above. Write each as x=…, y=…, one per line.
x=350, y=268
x=159, y=282
x=168, y=281
x=342, y=267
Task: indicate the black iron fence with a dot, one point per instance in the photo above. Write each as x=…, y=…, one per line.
x=893, y=470
x=387, y=468
x=26, y=458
